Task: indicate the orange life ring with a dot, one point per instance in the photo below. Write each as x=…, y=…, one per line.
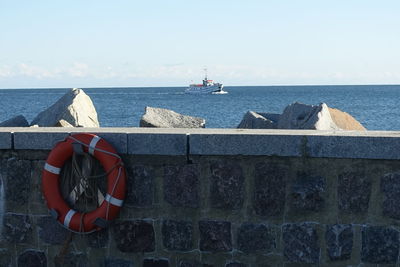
x=116, y=183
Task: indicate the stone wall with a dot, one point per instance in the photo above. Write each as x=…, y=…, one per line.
x=216, y=198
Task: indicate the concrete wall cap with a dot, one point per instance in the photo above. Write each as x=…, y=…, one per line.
x=267, y=142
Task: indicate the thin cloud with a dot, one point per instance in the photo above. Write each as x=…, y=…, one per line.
x=6, y=71
x=79, y=70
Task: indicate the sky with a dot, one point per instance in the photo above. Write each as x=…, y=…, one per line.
x=49, y=44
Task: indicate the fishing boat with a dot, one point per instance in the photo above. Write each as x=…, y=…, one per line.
x=207, y=87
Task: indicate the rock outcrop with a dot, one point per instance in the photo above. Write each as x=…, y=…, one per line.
x=63, y=123
x=345, y=121
x=75, y=108
x=165, y=118
x=17, y=121
x=254, y=120
x=302, y=116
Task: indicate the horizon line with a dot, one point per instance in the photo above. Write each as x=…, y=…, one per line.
x=278, y=85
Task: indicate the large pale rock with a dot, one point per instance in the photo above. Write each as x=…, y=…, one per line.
x=302, y=116
x=254, y=120
x=75, y=108
x=165, y=118
x=345, y=121
x=17, y=121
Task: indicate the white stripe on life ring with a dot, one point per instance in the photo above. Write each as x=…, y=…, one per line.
x=68, y=217
x=52, y=169
x=93, y=144
x=114, y=201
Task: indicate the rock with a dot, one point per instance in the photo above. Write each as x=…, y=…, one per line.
x=270, y=188
x=165, y=118
x=345, y=121
x=253, y=120
x=134, y=236
x=140, y=183
x=302, y=116
x=177, y=235
x=300, y=243
x=17, y=121
x=390, y=185
x=17, y=228
x=155, y=263
x=51, y=232
x=271, y=116
x=181, y=185
x=339, y=241
x=226, y=185
x=75, y=108
x=253, y=238
x=379, y=245
x=308, y=193
x=354, y=192
x=31, y=257
x=215, y=236
x=63, y=123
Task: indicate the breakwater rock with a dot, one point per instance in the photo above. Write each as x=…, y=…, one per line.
x=302, y=116
x=75, y=108
x=165, y=118
x=254, y=120
x=17, y=121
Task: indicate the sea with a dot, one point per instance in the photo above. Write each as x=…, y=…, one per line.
x=374, y=106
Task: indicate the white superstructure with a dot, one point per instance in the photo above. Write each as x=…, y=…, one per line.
x=208, y=86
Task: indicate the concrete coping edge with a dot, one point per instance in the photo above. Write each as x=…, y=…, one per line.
x=246, y=142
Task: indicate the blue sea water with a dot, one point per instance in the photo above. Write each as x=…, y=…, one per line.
x=375, y=106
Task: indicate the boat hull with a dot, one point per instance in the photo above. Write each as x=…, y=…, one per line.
x=204, y=89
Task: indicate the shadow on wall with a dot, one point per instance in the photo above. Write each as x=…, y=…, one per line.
x=1, y=203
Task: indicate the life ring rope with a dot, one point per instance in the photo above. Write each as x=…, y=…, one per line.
x=82, y=222
x=91, y=148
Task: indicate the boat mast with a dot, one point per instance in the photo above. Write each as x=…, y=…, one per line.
x=205, y=78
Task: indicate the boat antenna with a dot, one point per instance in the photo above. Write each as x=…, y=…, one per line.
x=205, y=70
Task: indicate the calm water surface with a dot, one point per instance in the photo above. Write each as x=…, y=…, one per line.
x=375, y=106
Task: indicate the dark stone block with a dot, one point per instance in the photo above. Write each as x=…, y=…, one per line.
x=235, y=264
x=6, y=259
x=111, y=262
x=155, y=263
x=98, y=239
x=134, y=236
x=140, y=191
x=253, y=238
x=51, y=232
x=17, y=228
x=177, y=235
x=181, y=186
x=380, y=245
x=18, y=180
x=269, y=189
x=36, y=185
x=308, y=193
x=215, y=236
x=390, y=186
x=339, y=241
x=227, y=188
x=354, y=190
x=300, y=241
x=71, y=260
x=32, y=258
x=192, y=263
